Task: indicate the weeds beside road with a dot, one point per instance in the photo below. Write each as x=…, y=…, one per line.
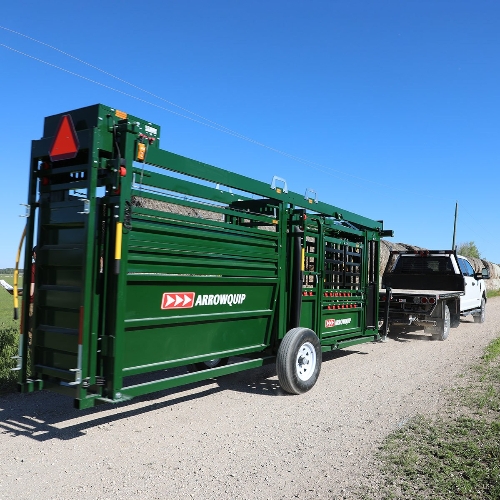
x=9, y=335
x=456, y=454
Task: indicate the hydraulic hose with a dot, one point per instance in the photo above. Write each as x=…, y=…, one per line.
x=16, y=276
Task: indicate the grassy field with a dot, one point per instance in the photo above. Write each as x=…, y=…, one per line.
x=9, y=333
x=455, y=454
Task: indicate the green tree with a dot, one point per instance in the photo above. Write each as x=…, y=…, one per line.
x=468, y=249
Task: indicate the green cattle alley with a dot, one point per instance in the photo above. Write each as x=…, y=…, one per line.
x=148, y=261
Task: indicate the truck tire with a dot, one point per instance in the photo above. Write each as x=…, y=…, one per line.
x=299, y=360
x=480, y=318
x=444, y=330
x=454, y=320
x=206, y=365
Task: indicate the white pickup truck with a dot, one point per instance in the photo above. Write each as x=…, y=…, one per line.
x=431, y=289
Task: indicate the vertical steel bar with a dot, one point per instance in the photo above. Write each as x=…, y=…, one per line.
x=87, y=335
x=120, y=250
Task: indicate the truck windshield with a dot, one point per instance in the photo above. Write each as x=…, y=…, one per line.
x=423, y=265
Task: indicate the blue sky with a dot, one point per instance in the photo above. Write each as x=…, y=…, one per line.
x=394, y=106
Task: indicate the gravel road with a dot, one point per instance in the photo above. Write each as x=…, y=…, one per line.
x=238, y=437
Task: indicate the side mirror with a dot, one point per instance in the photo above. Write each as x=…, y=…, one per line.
x=483, y=275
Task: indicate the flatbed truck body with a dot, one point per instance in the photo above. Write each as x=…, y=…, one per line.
x=425, y=289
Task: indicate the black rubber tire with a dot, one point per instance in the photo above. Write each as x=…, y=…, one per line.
x=298, y=344
x=481, y=318
x=444, y=331
x=454, y=320
x=206, y=365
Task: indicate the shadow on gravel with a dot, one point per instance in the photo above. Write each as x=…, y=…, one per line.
x=263, y=380
x=43, y=416
x=405, y=334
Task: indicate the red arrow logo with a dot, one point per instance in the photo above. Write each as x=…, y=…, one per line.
x=66, y=144
x=177, y=300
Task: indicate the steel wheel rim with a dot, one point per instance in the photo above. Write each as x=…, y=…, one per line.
x=305, y=362
x=446, y=322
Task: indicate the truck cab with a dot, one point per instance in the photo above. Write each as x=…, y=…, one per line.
x=475, y=288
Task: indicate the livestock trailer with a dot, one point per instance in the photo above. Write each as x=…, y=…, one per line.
x=154, y=270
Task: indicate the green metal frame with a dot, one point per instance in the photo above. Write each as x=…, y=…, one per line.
x=126, y=231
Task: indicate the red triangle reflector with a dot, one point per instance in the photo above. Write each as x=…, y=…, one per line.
x=66, y=144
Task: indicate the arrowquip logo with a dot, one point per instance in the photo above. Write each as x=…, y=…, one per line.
x=220, y=298
x=177, y=300
x=184, y=300
x=330, y=323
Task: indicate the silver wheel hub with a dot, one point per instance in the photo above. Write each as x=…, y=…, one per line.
x=305, y=361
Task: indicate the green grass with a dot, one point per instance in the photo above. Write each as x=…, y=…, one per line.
x=492, y=352
x=9, y=335
x=492, y=293
x=456, y=454
x=444, y=459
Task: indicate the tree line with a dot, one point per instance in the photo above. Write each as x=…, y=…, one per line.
x=9, y=270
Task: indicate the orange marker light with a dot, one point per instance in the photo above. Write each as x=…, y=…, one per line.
x=141, y=151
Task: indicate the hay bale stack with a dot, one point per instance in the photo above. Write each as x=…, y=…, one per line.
x=163, y=206
x=494, y=282
x=386, y=247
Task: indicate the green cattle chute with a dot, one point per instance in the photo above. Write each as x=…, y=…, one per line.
x=149, y=275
